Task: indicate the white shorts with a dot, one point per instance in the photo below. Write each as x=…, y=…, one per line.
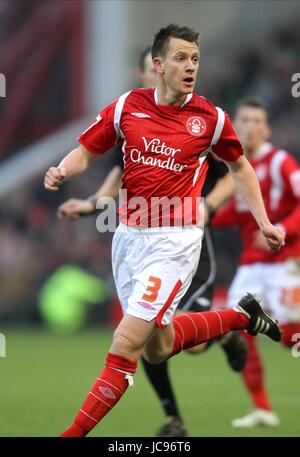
x=278, y=285
x=153, y=269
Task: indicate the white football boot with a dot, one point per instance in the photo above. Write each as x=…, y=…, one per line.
x=257, y=418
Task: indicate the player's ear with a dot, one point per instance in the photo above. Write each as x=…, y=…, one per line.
x=158, y=65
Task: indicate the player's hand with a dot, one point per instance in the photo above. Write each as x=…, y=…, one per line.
x=74, y=208
x=260, y=242
x=54, y=178
x=273, y=236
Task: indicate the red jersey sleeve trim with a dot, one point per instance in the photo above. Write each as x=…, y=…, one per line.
x=105, y=131
x=227, y=146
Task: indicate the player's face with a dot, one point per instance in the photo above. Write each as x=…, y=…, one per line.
x=149, y=75
x=180, y=65
x=252, y=127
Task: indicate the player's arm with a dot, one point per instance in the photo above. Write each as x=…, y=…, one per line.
x=228, y=148
x=248, y=186
x=74, y=208
x=94, y=141
x=75, y=163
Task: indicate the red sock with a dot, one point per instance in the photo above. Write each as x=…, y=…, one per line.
x=253, y=375
x=106, y=392
x=194, y=328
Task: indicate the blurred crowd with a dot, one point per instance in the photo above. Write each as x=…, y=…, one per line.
x=263, y=69
x=34, y=243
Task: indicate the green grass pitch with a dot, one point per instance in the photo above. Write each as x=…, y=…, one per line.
x=45, y=378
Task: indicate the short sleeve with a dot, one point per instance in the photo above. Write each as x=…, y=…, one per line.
x=101, y=134
x=228, y=146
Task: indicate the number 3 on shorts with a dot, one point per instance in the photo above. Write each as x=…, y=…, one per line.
x=152, y=290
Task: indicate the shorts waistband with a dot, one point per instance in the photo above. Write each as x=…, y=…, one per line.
x=147, y=230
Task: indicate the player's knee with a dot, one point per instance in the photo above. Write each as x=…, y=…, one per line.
x=156, y=357
x=125, y=344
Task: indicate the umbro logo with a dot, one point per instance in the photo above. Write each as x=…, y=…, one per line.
x=146, y=305
x=107, y=392
x=140, y=115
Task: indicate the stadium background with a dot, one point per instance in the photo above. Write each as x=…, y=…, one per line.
x=63, y=61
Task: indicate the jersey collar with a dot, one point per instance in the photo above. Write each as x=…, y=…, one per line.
x=186, y=100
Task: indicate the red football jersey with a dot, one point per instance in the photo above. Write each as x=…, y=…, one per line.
x=279, y=177
x=165, y=149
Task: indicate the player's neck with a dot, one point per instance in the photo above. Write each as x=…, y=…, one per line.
x=167, y=97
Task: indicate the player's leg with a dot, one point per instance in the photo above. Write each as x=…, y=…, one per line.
x=253, y=377
x=191, y=329
x=283, y=302
x=142, y=296
x=128, y=344
x=147, y=285
x=159, y=377
x=251, y=278
x=283, y=297
x=199, y=298
x=158, y=374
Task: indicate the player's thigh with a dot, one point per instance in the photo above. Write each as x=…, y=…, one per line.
x=164, y=267
x=283, y=291
x=248, y=278
x=121, y=271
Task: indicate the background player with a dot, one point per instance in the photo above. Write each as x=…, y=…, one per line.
x=147, y=260
x=273, y=276
x=200, y=293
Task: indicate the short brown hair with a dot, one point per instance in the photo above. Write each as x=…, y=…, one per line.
x=254, y=102
x=162, y=37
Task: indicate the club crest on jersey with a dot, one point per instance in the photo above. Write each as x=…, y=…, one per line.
x=196, y=126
